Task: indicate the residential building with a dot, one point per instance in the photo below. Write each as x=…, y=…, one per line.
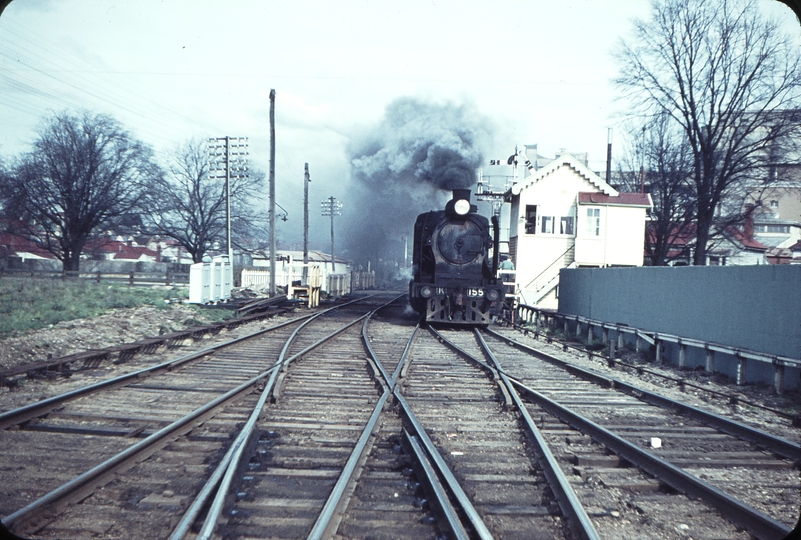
x=729, y=246
x=15, y=248
x=119, y=250
x=565, y=215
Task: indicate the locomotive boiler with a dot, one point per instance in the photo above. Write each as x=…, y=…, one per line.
x=454, y=280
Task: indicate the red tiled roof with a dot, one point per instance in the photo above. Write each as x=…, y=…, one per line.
x=625, y=199
x=13, y=244
x=745, y=240
x=121, y=250
x=687, y=235
x=134, y=252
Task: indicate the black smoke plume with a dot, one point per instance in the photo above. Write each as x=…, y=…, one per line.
x=405, y=165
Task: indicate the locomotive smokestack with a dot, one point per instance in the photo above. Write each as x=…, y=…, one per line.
x=461, y=194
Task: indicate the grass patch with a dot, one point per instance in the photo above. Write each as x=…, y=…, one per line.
x=31, y=304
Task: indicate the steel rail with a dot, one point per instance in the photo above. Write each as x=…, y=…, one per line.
x=124, y=350
x=449, y=512
x=44, y=406
x=783, y=447
x=96, y=473
x=453, y=484
x=223, y=470
x=215, y=511
x=795, y=418
x=754, y=521
x=447, y=475
x=565, y=496
x=454, y=522
x=325, y=525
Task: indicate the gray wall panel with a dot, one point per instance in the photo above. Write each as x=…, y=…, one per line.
x=753, y=307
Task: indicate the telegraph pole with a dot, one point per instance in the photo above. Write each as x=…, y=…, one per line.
x=272, y=192
x=331, y=207
x=609, y=155
x=227, y=159
x=306, y=180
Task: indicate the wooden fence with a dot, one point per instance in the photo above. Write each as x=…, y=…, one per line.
x=129, y=278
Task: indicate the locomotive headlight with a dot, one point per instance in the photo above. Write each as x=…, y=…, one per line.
x=461, y=207
x=492, y=295
x=425, y=291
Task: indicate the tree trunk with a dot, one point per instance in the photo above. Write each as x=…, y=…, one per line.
x=701, y=241
x=71, y=261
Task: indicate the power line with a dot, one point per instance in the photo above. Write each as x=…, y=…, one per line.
x=79, y=85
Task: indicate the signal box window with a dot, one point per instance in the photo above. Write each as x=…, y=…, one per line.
x=566, y=225
x=593, y=221
x=531, y=219
x=547, y=224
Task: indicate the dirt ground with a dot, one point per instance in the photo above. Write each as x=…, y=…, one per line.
x=118, y=326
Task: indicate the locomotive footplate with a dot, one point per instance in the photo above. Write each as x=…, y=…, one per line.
x=458, y=305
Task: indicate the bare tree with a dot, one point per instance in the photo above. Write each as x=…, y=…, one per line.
x=719, y=70
x=661, y=164
x=188, y=204
x=84, y=171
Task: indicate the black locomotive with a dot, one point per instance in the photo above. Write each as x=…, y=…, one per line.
x=454, y=280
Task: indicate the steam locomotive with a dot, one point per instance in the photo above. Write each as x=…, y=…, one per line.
x=454, y=280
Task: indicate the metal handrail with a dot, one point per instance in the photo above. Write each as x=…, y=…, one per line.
x=550, y=266
x=652, y=336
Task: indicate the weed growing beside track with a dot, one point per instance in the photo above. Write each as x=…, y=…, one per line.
x=32, y=304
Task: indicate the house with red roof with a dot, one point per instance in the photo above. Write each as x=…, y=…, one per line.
x=795, y=253
x=736, y=247
x=116, y=250
x=564, y=215
x=729, y=246
x=15, y=245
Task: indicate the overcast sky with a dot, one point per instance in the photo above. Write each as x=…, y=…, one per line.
x=170, y=70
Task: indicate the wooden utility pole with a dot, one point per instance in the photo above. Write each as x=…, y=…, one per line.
x=272, y=193
x=230, y=250
x=609, y=155
x=306, y=180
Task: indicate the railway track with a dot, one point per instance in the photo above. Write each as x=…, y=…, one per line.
x=656, y=456
x=353, y=423
x=139, y=441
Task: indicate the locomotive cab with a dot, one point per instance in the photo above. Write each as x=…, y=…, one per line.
x=454, y=280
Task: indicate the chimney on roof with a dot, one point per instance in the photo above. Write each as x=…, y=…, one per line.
x=748, y=226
